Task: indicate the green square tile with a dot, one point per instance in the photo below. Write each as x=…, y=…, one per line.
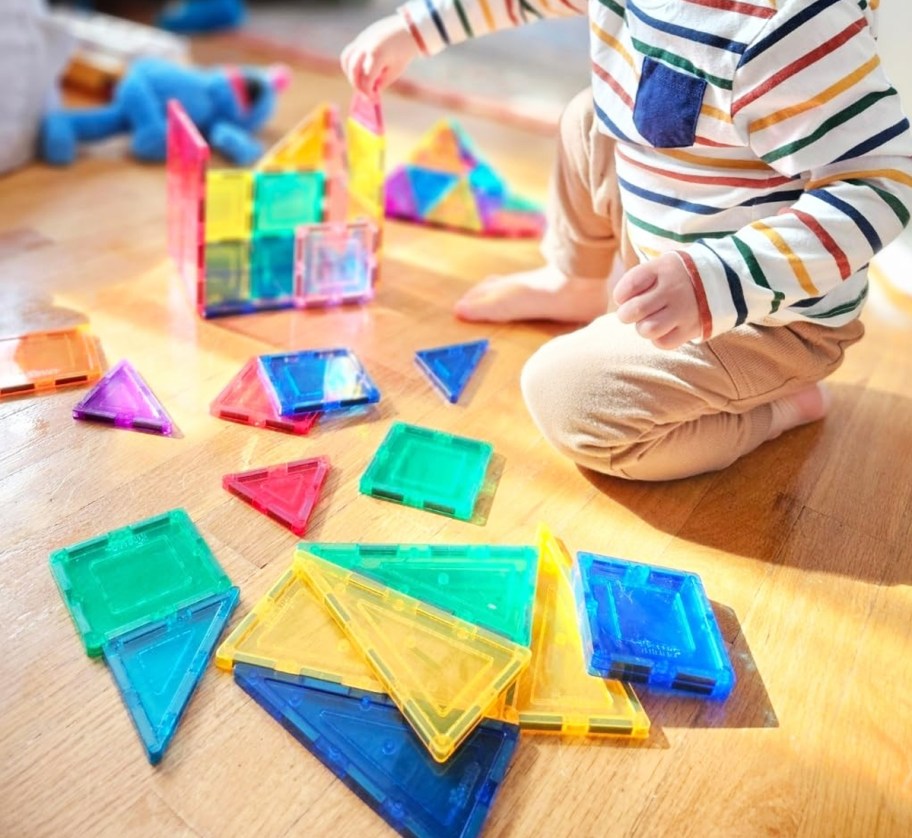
x=227, y=274
x=429, y=470
x=134, y=575
x=272, y=267
x=285, y=200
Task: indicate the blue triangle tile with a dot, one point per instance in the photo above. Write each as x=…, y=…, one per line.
x=366, y=742
x=123, y=399
x=429, y=187
x=157, y=666
x=451, y=367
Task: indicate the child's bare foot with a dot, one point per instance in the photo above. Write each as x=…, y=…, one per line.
x=541, y=294
x=800, y=408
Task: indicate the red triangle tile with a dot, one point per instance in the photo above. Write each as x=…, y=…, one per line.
x=286, y=492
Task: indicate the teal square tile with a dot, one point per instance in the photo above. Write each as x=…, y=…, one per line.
x=132, y=576
x=429, y=470
x=272, y=267
x=285, y=200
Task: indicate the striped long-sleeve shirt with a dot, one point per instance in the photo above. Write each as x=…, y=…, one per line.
x=759, y=139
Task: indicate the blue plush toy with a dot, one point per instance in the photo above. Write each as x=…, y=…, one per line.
x=227, y=104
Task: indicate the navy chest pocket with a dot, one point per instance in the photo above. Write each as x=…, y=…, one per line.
x=667, y=105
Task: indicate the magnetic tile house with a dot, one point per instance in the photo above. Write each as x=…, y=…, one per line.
x=300, y=229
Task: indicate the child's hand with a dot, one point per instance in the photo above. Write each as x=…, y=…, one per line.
x=659, y=298
x=379, y=55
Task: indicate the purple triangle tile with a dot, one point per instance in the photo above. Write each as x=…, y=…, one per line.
x=124, y=400
x=400, y=198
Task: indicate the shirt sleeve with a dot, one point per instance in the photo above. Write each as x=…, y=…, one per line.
x=813, y=102
x=436, y=24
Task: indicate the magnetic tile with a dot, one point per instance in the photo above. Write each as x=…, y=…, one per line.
x=365, y=741
x=158, y=666
x=187, y=161
x=244, y=400
x=123, y=399
x=457, y=209
x=229, y=205
x=650, y=625
x=319, y=379
x=304, y=147
x=134, y=575
x=429, y=470
x=367, y=112
x=227, y=283
x=490, y=586
x=51, y=360
x=289, y=630
x=430, y=187
x=287, y=492
x=399, y=198
x=285, y=200
x=443, y=148
x=441, y=671
x=486, y=182
x=556, y=694
x=450, y=367
x=445, y=182
x=272, y=268
x=335, y=263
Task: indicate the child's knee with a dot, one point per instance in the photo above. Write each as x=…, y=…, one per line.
x=582, y=412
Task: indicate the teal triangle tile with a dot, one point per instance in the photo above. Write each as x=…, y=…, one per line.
x=122, y=398
x=451, y=367
x=367, y=743
x=429, y=187
x=485, y=181
x=490, y=586
x=157, y=667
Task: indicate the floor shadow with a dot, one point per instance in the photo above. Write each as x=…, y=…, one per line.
x=747, y=706
x=489, y=488
x=752, y=507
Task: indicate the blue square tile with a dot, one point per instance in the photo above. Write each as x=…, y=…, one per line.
x=650, y=625
x=319, y=379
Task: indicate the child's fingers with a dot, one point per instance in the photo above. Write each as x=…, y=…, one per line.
x=640, y=307
x=351, y=66
x=359, y=80
x=670, y=340
x=373, y=71
x=380, y=83
x=345, y=60
x=656, y=325
x=636, y=281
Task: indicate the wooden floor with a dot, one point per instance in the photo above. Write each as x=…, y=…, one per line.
x=805, y=546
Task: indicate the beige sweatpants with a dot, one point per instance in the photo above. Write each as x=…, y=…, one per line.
x=609, y=399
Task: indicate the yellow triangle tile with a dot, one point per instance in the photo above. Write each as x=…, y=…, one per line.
x=289, y=631
x=441, y=671
x=304, y=147
x=556, y=694
x=457, y=209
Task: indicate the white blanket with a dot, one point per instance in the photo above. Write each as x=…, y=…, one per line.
x=33, y=52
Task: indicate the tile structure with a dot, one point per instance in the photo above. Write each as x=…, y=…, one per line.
x=301, y=229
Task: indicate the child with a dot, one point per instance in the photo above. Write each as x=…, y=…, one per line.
x=741, y=161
